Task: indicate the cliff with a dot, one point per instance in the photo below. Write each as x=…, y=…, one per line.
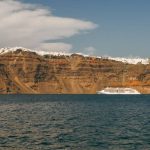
x=28, y=72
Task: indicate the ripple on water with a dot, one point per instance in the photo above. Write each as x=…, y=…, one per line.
x=88, y=122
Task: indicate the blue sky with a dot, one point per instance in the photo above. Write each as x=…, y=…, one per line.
x=123, y=25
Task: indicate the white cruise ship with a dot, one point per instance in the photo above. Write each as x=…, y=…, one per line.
x=118, y=90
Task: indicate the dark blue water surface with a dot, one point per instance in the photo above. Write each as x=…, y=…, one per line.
x=74, y=122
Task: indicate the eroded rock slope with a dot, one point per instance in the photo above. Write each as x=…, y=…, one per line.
x=27, y=72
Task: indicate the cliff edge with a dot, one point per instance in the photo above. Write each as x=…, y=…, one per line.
x=23, y=71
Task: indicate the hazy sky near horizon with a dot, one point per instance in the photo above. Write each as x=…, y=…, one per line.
x=99, y=27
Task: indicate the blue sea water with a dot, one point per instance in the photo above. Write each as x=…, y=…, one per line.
x=74, y=122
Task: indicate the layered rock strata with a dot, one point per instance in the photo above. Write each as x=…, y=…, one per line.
x=26, y=72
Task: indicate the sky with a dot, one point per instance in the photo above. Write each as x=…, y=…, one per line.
x=95, y=27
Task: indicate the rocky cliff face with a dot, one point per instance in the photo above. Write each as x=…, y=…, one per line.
x=27, y=72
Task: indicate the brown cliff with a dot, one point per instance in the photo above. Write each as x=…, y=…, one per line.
x=27, y=72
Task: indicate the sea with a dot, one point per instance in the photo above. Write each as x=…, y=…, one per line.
x=74, y=122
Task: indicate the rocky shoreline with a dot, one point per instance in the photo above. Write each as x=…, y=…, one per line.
x=26, y=72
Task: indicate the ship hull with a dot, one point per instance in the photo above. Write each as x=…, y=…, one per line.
x=119, y=91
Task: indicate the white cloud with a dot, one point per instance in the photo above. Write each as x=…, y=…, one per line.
x=90, y=50
x=59, y=47
x=29, y=25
